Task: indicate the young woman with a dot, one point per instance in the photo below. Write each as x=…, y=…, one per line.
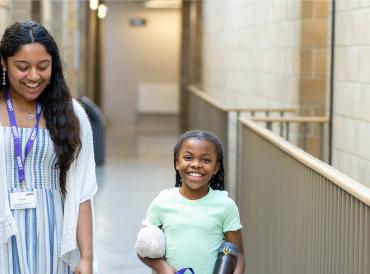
x=47, y=168
x=196, y=215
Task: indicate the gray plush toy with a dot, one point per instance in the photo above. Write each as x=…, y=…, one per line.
x=150, y=241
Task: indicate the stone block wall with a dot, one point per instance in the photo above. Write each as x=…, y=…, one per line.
x=314, y=56
x=268, y=53
x=4, y=15
x=67, y=22
x=278, y=53
x=252, y=51
x=351, y=128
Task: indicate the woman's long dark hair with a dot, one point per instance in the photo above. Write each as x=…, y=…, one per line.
x=217, y=181
x=56, y=100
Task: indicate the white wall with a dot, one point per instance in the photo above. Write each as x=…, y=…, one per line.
x=137, y=55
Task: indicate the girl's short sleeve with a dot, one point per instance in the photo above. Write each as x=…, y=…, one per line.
x=153, y=213
x=232, y=217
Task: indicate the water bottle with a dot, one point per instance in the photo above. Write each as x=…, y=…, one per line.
x=226, y=259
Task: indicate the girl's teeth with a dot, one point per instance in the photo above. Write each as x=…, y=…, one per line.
x=195, y=174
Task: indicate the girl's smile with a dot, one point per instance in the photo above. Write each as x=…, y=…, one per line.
x=194, y=176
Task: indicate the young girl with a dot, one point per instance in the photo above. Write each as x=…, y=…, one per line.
x=47, y=168
x=196, y=215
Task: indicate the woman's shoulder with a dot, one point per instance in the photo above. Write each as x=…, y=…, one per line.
x=81, y=115
x=79, y=110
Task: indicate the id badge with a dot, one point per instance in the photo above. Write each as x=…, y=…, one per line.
x=23, y=200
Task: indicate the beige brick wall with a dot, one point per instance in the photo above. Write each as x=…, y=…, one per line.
x=4, y=15
x=277, y=52
x=252, y=51
x=351, y=130
x=268, y=53
x=12, y=10
x=20, y=10
x=314, y=56
x=66, y=21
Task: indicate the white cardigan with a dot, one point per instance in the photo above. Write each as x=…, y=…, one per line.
x=81, y=186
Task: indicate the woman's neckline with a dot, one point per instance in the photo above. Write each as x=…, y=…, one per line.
x=9, y=127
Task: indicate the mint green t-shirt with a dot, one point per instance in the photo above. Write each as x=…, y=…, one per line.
x=194, y=229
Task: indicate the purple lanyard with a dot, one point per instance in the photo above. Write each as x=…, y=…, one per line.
x=17, y=140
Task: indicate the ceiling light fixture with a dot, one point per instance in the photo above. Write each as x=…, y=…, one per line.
x=94, y=4
x=102, y=11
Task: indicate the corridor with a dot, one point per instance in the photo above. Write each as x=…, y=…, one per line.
x=138, y=165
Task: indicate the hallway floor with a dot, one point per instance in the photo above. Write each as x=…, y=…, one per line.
x=138, y=165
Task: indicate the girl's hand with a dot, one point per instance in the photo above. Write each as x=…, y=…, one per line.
x=84, y=266
x=160, y=266
x=167, y=269
x=236, y=238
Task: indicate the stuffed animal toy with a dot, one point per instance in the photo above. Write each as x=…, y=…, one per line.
x=150, y=241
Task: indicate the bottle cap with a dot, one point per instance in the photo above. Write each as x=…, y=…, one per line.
x=228, y=248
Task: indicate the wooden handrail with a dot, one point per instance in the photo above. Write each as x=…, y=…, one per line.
x=348, y=184
x=196, y=91
x=302, y=121
x=293, y=119
x=212, y=101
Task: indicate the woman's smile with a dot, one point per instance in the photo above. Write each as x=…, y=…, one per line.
x=32, y=86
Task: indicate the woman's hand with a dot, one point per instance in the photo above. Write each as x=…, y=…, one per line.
x=84, y=239
x=84, y=266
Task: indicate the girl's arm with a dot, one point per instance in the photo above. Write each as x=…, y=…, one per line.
x=84, y=239
x=236, y=238
x=160, y=266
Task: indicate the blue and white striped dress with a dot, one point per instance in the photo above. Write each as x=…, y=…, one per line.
x=36, y=247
